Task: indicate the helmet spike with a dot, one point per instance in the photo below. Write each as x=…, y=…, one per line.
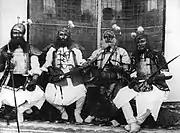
x=18, y=19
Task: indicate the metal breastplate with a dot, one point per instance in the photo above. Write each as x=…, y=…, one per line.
x=20, y=61
x=144, y=68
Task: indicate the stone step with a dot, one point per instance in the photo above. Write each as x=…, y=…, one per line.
x=49, y=127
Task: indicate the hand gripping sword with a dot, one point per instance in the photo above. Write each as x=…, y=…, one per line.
x=154, y=74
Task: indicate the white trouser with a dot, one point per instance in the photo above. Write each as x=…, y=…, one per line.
x=128, y=113
x=24, y=99
x=146, y=102
x=65, y=95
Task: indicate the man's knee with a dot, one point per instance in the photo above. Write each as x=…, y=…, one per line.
x=49, y=94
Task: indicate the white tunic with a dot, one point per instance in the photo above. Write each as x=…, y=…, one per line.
x=115, y=59
x=69, y=93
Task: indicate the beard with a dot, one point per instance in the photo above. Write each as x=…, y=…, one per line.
x=16, y=42
x=62, y=43
x=141, y=50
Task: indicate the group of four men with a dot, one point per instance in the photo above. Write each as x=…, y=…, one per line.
x=117, y=77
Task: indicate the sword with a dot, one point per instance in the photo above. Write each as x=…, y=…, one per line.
x=133, y=83
x=152, y=75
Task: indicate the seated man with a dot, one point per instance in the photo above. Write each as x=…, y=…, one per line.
x=66, y=85
x=20, y=67
x=148, y=92
x=112, y=64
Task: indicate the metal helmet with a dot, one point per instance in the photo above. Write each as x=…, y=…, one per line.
x=65, y=31
x=108, y=36
x=18, y=28
x=142, y=41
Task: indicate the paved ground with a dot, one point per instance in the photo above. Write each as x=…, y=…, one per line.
x=47, y=127
x=169, y=121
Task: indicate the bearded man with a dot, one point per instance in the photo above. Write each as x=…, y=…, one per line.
x=19, y=63
x=66, y=85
